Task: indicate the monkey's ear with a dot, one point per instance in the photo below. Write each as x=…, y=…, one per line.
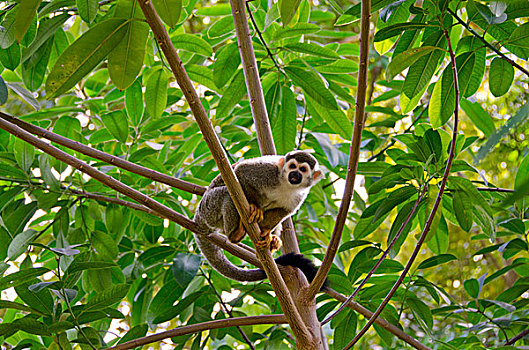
x=281, y=162
x=317, y=176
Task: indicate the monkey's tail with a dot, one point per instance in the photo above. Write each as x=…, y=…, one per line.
x=216, y=258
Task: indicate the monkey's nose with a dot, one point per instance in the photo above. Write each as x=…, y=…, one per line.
x=295, y=178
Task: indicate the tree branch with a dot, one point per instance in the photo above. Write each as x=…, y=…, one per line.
x=399, y=333
x=251, y=76
x=354, y=153
x=487, y=44
x=204, y=326
x=429, y=221
x=256, y=28
x=105, y=157
x=278, y=284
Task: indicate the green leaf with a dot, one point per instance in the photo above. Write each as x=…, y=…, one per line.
x=110, y=296
x=87, y=9
x=226, y=64
x=17, y=214
x=221, y=27
x=233, y=94
x=285, y=126
x=312, y=49
x=135, y=332
x=522, y=175
x=481, y=119
x=336, y=119
x=421, y=309
x=169, y=11
x=30, y=34
x=164, y=300
x=421, y=72
x=126, y=59
x=312, y=86
x=520, y=36
x=105, y=245
x=20, y=243
x=89, y=265
x=185, y=267
x=134, y=102
x=435, y=261
x=34, y=69
x=296, y=30
x=7, y=35
x=81, y=57
x=193, y=44
x=25, y=95
x=3, y=91
x=31, y=326
x=24, y=154
x=463, y=209
x=396, y=29
x=27, y=9
x=472, y=287
x=219, y=9
x=117, y=124
x=287, y=9
x=345, y=326
x=156, y=93
x=340, y=66
x=5, y=304
x=501, y=76
x=202, y=75
x=20, y=277
x=10, y=57
x=47, y=28
x=406, y=59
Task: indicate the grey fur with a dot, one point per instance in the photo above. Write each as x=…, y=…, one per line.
x=265, y=186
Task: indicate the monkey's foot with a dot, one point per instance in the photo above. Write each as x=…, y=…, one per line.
x=275, y=243
x=237, y=235
x=256, y=214
x=265, y=240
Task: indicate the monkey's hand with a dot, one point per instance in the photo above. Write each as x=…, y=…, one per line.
x=275, y=243
x=256, y=214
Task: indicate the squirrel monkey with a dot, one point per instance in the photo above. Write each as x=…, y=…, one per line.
x=276, y=187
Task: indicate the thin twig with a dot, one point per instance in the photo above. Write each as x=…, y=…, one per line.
x=256, y=28
x=105, y=157
x=381, y=259
x=487, y=44
x=199, y=327
x=354, y=154
x=241, y=203
x=429, y=221
x=495, y=189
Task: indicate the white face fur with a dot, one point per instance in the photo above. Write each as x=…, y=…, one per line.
x=300, y=175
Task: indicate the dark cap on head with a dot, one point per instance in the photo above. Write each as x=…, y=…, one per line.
x=302, y=157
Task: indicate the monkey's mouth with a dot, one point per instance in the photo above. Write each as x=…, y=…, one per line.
x=295, y=178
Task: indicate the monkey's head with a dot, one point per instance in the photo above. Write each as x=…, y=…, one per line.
x=300, y=169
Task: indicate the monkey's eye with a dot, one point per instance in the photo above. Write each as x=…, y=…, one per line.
x=292, y=166
x=302, y=169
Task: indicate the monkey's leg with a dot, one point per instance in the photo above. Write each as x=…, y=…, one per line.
x=272, y=218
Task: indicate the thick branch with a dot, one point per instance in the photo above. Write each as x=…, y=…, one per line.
x=399, y=333
x=251, y=76
x=105, y=157
x=429, y=221
x=200, y=327
x=278, y=284
x=354, y=154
